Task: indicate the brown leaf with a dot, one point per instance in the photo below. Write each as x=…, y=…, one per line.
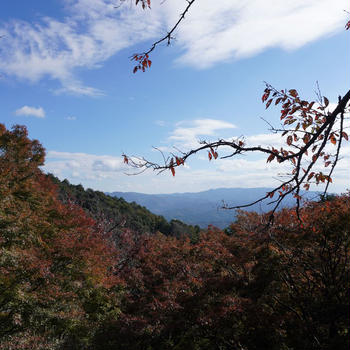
x=293, y=92
x=306, y=138
x=310, y=105
x=333, y=139
x=310, y=176
x=326, y=101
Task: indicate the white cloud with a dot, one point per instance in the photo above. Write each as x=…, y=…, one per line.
x=83, y=166
x=160, y=122
x=37, y=112
x=233, y=29
x=71, y=117
x=107, y=173
x=75, y=88
x=94, y=30
x=187, y=134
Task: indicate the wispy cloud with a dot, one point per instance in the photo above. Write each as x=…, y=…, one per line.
x=91, y=33
x=37, y=112
x=233, y=29
x=188, y=133
x=94, y=30
x=160, y=122
x=71, y=117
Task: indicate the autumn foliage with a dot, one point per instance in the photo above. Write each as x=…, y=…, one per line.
x=286, y=288
x=55, y=265
x=66, y=284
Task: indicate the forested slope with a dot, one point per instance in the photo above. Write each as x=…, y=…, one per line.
x=117, y=214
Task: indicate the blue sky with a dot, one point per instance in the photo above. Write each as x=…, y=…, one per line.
x=67, y=76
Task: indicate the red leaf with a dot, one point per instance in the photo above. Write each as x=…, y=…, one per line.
x=126, y=160
x=284, y=112
x=289, y=140
x=266, y=95
x=345, y=135
x=172, y=171
x=294, y=109
x=210, y=156
x=135, y=69
x=268, y=103
x=278, y=100
x=270, y=158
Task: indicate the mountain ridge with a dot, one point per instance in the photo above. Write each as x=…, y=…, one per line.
x=205, y=208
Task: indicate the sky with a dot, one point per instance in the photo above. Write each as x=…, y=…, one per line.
x=66, y=73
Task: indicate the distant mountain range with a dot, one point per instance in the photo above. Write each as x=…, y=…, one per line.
x=204, y=208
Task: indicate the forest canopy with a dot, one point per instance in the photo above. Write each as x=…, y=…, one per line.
x=66, y=283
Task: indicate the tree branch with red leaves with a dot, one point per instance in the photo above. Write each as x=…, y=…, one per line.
x=142, y=59
x=308, y=130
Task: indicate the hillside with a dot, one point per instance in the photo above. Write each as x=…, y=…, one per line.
x=203, y=208
x=117, y=214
